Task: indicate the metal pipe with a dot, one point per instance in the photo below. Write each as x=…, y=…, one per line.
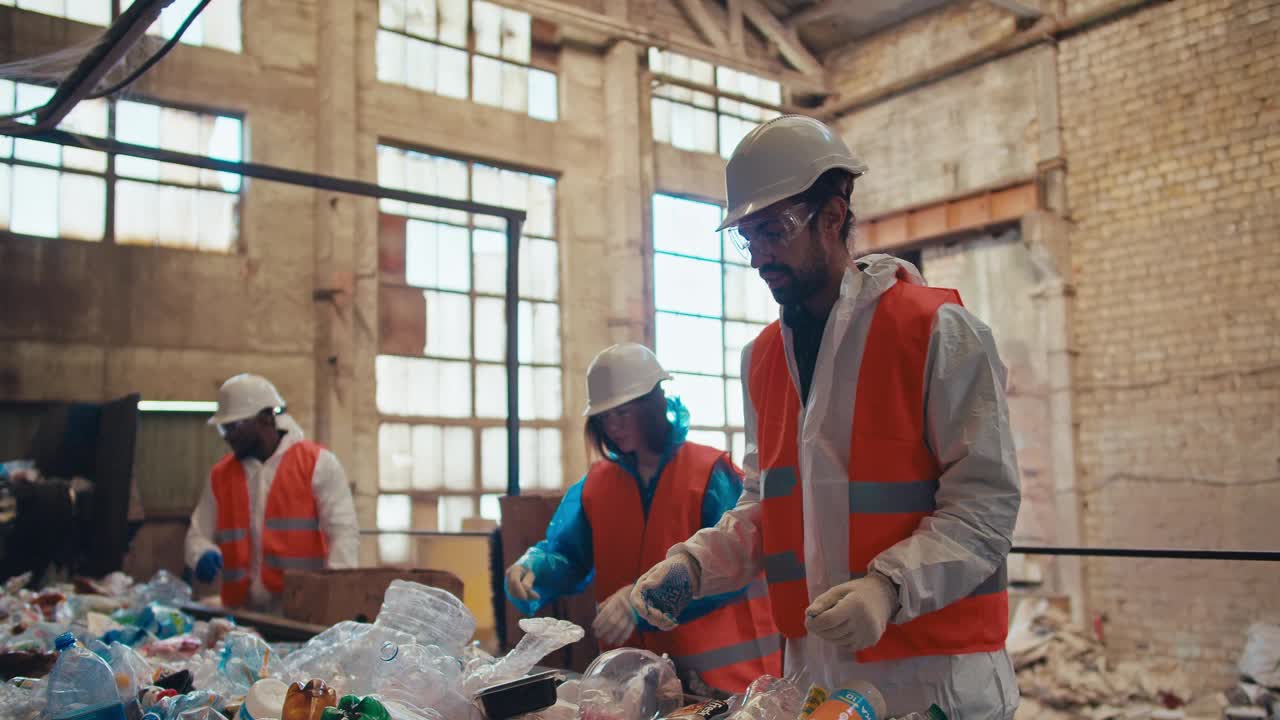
x=115, y=42
x=1249, y=555
x=271, y=172
x=511, y=309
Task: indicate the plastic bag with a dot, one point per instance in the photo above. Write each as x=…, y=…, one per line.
x=433, y=616
x=770, y=698
x=1260, y=660
x=629, y=684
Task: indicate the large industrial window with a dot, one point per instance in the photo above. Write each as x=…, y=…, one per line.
x=706, y=108
x=48, y=190
x=441, y=381
x=708, y=303
x=467, y=49
x=218, y=25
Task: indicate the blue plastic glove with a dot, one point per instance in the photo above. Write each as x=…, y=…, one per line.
x=209, y=566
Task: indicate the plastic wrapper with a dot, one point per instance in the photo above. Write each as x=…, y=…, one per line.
x=37, y=637
x=629, y=684
x=215, y=631
x=431, y=615
x=307, y=701
x=174, y=649
x=770, y=698
x=542, y=637
x=164, y=588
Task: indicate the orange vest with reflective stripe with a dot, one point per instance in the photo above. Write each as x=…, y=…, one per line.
x=893, y=478
x=727, y=648
x=291, y=537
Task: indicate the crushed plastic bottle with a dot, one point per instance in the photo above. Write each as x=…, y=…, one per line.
x=81, y=685
x=433, y=616
x=245, y=659
x=542, y=637
x=349, y=655
x=195, y=705
x=629, y=684
x=423, y=679
x=164, y=588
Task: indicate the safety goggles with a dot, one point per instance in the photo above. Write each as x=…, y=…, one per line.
x=772, y=232
x=226, y=428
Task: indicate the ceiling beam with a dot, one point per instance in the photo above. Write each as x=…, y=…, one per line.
x=706, y=25
x=1017, y=8
x=788, y=41
x=817, y=11
x=735, y=26
x=605, y=26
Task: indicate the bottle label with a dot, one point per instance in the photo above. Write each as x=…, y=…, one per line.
x=845, y=705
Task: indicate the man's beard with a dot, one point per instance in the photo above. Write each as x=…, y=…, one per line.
x=804, y=283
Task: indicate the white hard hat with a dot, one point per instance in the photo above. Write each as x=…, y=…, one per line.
x=781, y=158
x=620, y=374
x=244, y=396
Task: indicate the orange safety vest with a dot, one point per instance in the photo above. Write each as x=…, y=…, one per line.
x=729, y=647
x=291, y=537
x=893, y=478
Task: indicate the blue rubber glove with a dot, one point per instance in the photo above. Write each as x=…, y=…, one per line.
x=209, y=566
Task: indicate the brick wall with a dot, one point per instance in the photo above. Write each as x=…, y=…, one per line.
x=1170, y=121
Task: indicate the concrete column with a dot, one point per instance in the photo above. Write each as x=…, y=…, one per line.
x=626, y=196
x=336, y=231
x=1048, y=234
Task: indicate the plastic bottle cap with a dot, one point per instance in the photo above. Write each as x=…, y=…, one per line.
x=64, y=641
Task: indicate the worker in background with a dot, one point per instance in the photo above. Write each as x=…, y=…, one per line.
x=276, y=502
x=880, y=482
x=649, y=489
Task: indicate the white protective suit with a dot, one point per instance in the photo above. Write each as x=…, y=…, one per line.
x=333, y=503
x=951, y=553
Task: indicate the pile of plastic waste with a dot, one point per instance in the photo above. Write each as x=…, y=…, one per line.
x=114, y=650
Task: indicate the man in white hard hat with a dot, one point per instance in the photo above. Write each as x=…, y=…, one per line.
x=880, y=482
x=276, y=502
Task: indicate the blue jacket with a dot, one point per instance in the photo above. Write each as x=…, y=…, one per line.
x=564, y=563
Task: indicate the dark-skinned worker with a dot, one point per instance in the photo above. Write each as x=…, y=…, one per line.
x=276, y=502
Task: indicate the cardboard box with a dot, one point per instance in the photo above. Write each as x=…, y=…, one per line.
x=324, y=597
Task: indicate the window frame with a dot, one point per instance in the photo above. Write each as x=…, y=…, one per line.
x=115, y=8
x=469, y=47
x=110, y=176
x=728, y=430
x=659, y=79
x=477, y=425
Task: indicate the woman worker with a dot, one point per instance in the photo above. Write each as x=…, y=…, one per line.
x=649, y=489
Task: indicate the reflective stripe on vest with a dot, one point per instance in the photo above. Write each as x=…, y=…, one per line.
x=291, y=537
x=893, y=477
x=727, y=648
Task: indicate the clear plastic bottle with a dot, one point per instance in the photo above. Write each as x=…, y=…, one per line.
x=81, y=685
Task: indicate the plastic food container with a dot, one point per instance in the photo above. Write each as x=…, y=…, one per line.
x=525, y=695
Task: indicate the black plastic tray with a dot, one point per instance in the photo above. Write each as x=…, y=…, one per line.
x=517, y=697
